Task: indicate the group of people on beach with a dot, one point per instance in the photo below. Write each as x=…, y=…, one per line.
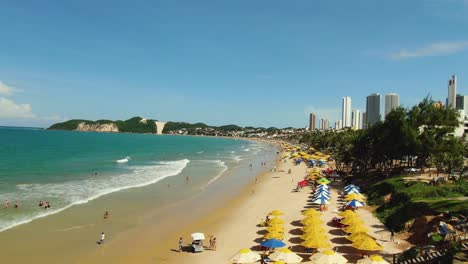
x=44, y=204
x=7, y=204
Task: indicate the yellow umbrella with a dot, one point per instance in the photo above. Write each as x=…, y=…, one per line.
x=311, y=212
x=328, y=256
x=358, y=236
x=279, y=262
x=314, y=235
x=273, y=229
x=311, y=221
x=278, y=236
x=354, y=196
x=316, y=243
x=245, y=256
x=359, y=228
x=276, y=213
x=367, y=244
x=352, y=221
x=373, y=259
x=313, y=228
x=275, y=220
x=347, y=213
x=285, y=255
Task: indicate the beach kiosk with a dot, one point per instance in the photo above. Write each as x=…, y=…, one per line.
x=197, y=242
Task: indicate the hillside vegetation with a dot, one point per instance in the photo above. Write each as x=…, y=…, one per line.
x=132, y=125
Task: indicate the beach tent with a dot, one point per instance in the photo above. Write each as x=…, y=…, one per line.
x=355, y=203
x=198, y=236
x=272, y=243
x=245, y=256
x=285, y=255
x=328, y=257
x=276, y=213
x=373, y=259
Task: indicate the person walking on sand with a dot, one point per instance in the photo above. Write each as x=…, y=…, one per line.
x=181, y=243
x=106, y=214
x=214, y=244
x=103, y=236
x=392, y=235
x=211, y=242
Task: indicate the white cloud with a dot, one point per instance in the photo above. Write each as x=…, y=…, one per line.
x=5, y=89
x=10, y=109
x=433, y=49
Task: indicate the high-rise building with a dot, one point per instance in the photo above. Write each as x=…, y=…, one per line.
x=373, y=109
x=392, y=101
x=461, y=103
x=452, y=92
x=346, y=112
x=312, y=122
x=356, y=122
x=364, y=120
x=326, y=124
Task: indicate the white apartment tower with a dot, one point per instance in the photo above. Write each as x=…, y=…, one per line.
x=356, y=122
x=346, y=112
x=452, y=92
x=392, y=101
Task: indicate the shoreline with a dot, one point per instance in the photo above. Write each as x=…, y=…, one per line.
x=70, y=233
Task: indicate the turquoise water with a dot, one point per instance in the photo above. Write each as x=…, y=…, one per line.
x=67, y=168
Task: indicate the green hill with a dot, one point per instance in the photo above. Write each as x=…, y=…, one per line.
x=132, y=125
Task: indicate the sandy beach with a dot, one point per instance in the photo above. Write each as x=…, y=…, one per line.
x=235, y=225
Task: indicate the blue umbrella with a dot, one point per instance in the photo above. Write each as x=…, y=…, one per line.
x=355, y=203
x=322, y=188
x=351, y=186
x=322, y=192
x=320, y=197
x=272, y=243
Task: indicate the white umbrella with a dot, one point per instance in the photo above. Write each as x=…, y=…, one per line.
x=353, y=190
x=245, y=256
x=285, y=255
x=374, y=259
x=328, y=257
x=198, y=236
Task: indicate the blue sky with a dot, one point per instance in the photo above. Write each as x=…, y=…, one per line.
x=261, y=63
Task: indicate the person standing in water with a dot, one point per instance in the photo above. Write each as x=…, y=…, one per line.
x=187, y=179
x=7, y=204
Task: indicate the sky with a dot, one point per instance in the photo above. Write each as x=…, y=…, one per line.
x=246, y=62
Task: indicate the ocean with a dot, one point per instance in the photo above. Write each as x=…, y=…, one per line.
x=66, y=168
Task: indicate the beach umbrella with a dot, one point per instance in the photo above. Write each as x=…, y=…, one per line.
x=353, y=190
x=351, y=186
x=276, y=220
x=320, y=201
x=319, y=190
x=367, y=244
x=275, y=229
x=316, y=243
x=274, y=235
x=359, y=228
x=373, y=259
x=355, y=203
x=272, y=243
x=314, y=235
x=358, y=236
x=311, y=221
x=328, y=257
x=285, y=255
x=347, y=213
x=245, y=256
x=198, y=236
x=313, y=228
x=321, y=195
x=354, y=196
x=311, y=212
x=352, y=221
x=323, y=181
x=279, y=262
x=276, y=213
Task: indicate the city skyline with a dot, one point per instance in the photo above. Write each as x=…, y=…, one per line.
x=223, y=62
